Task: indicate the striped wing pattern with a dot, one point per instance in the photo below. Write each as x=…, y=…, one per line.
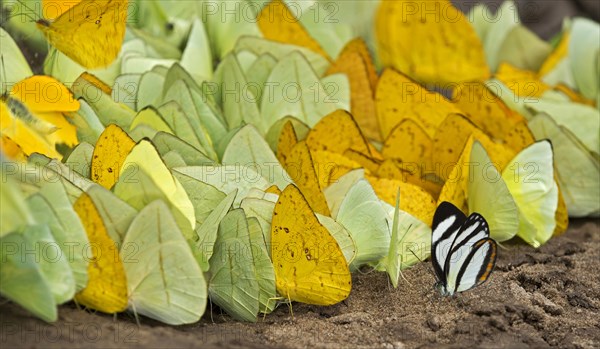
x=463, y=254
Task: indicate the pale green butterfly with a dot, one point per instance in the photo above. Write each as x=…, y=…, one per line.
x=147, y=94
x=163, y=279
x=207, y=126
x=166, y=142
x=15, y=67
x=227, y=178
x=265, y=274
x=116, y=214
x=197, y=56
x=279, y=51
x=183, y=125
x=248, y=149
x=530, y=186
x=15, y=214
x=257, y=74
x=21, y=279
x=204, y=237
x=321, y=22
x=89, y=127
x=107, y=111
x=357, y=208
x=233, y=283
x=309, y=100
x=80, y=159
x=51, y=259
x=584, y=56
x=54, y=170
x=143, y=170
x=51, y=206
x=341, y=235
x=149, y=116
x=582, y=120
x=126, y=89
x=224, y=35
x=494, y=33
x=577, y=169
x=511, y=50
x=241, y=106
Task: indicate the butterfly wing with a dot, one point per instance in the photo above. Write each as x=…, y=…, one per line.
x=106, y=289
x=461, y=257
x=164, y=282
x=478, y=265
x=447, y=222
x=530, y=180
x=90, y=33
x=309, y=264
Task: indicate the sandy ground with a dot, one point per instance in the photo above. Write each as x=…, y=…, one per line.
x=534, y=298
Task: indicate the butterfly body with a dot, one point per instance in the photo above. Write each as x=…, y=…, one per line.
x=19, y=110
x=462, y=252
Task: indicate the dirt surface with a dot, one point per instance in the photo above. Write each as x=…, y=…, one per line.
x=534, y=298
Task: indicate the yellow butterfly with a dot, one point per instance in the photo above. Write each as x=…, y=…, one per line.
x=427, y=108
x=300, y=166
x=309, y=264
x=355, y=61
x=90, y=31
x=33, y=115
x=277, y=23
x=431, y=41
x=107, y=286
x=110, y=153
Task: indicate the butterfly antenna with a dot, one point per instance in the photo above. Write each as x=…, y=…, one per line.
x=420, y=260
x=406, y=232
x=414, y=254
x=135, y=314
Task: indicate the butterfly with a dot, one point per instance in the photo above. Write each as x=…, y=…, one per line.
x=37, y=124
x=164, y=282
x=89, y=32
x=444, y=50
x=106, y=289
x=309, y=264
x=462, y=252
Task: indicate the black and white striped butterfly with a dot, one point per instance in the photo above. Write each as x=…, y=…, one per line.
x=462, y=252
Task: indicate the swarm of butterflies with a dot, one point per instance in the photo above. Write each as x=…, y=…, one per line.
x=171, y=155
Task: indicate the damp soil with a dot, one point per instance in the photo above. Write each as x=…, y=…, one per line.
x=546, y=297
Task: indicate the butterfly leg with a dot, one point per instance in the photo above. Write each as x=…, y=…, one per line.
x=275, y=299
